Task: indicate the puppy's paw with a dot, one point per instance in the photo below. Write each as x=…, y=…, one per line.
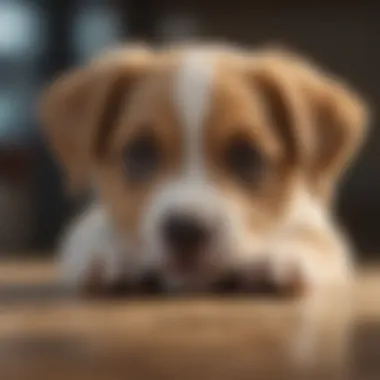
x=93, y=273
x=293, y=270
x=92, y=260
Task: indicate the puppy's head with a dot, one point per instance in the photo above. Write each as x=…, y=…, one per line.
x=199, y=154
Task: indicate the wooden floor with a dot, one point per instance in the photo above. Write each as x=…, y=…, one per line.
x=45, y=334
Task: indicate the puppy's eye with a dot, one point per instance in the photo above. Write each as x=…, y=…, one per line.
x=141, y=158
x=244, y=161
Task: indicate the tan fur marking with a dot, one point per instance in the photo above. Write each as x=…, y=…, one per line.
x=149, y=109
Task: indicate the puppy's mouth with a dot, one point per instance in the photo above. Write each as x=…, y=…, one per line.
x=186, y=265
x=227, y=282
x=196, y=266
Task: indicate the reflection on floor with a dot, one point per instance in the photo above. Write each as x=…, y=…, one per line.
x=46, y=334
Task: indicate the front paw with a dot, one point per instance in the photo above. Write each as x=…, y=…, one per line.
x=295, y=271
x=288, y=271
x=93, y=274
x=97, y=281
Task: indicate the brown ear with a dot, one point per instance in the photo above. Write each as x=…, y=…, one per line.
x=339, y=118
x=321, y=120
x=283, y=109
x=80, y=108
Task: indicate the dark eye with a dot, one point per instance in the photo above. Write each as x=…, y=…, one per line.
x=244, y=161
x=141, y=158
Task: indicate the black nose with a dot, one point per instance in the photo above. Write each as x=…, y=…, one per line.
x=185, y=234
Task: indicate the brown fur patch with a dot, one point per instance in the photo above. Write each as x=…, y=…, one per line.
x=237, y=110
x=149, y=110
x=79, y=109
x=330, y=122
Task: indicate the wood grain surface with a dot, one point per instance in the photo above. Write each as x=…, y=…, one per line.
x=48, y=334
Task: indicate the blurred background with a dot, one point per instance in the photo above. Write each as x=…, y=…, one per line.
x=41, y=38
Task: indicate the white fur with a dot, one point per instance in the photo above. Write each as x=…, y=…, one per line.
x=286, y=252
x=305, y=208
x=307, y=211
x=91, y=240
x=192, y=96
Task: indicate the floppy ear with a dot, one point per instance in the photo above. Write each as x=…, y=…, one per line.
x=322, y=121
x=339, y=118
x=80, y=108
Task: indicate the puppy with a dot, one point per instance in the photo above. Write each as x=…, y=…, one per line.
x=204, y=161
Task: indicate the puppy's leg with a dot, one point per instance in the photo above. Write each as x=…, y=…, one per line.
x=301, y=260
x=91, y=258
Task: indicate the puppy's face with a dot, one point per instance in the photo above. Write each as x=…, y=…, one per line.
x=200, y=156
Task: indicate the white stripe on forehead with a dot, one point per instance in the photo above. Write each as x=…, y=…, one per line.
x=192, y=95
